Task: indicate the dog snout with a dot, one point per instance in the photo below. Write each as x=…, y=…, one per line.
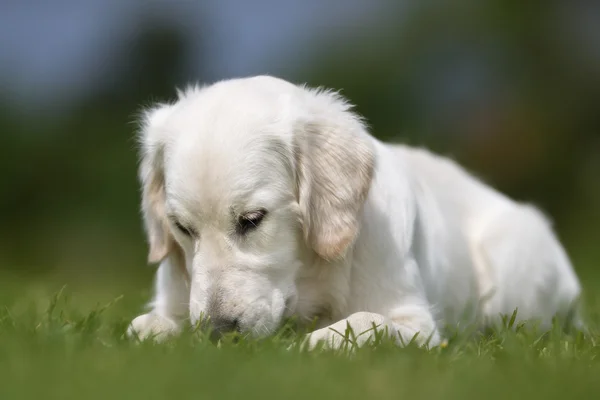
x=223, y=316
x=220, y=326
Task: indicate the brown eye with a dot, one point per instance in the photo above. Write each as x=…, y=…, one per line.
x=250, y=221
x=183, y=229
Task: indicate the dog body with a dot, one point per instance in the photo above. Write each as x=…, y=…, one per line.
x=263, y=199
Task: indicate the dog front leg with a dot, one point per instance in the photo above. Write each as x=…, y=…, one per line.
x=170, y=304
x=404, y=324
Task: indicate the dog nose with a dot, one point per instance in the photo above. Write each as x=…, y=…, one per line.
x=221, y=326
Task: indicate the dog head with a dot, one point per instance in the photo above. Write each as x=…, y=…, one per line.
x=250, y=179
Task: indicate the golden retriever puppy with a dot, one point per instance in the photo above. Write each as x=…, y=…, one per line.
x=263, y=199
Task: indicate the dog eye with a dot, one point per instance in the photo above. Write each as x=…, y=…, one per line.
x=183, y=229
x=250, y=221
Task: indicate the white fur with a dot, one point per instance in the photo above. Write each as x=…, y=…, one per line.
x=357, y=231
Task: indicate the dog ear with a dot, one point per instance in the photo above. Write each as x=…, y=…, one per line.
x=152, y=178
x=335, y=163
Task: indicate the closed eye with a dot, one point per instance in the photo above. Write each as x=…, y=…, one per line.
x=183, y=229
x=250, y=221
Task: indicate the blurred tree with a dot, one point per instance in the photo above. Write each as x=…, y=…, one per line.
x=492, y=83
x=509, y=88
x=73, y=192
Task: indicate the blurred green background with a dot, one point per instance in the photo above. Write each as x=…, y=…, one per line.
x=510, y=89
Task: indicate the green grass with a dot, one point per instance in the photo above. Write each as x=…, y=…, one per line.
x=58, y=344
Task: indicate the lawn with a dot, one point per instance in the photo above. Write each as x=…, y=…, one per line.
x=66, y=342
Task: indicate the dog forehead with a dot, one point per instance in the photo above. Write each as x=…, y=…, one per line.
x=226, y=104
x=230, y=141
x=232, y=115
x=211, y=173
x=231, y=144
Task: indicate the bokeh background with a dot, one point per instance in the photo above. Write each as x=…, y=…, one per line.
x=510, y=89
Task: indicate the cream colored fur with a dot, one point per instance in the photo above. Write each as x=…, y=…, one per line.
x=354, y=232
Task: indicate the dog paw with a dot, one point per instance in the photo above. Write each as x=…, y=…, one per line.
x=152, y=326
x=327, y=339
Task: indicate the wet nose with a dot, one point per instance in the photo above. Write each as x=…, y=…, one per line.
x=221, y=326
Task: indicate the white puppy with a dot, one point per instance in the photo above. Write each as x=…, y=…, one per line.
x=263, y=199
